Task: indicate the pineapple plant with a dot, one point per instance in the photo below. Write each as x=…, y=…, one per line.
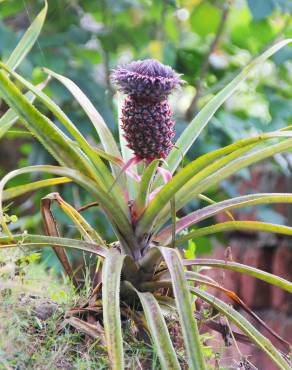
x=144, y=273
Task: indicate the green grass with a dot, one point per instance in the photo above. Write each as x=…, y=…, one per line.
x=28, y=341
x=33, y=335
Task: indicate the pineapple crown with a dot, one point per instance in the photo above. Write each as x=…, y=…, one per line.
x=146, y=80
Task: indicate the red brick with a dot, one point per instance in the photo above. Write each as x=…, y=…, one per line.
x=262, y=361
x=287, y=329
x=255, y=293
x=282, y=266
x=282, y=325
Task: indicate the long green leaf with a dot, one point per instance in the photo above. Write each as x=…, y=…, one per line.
x=168, y=307
x=190, y=275
x=10, y=117
x=164, y=236
x=243, y=324
x=184, y=307
x=208, y=158
x=198, y=170
x=111, y=278
x=197, y=187
x=127, y=153
x=235, y=298
x=168, y=191
x=214, y=173
x=159, y=332
x=56, y=142
x=106, y=137
x=112, y=210
x=165, y=275
x=103, y=173
x=54, y=108
x=28, y=39
x=194, y=129
x=27, y=240
x=16, y=191
x=249, y=270
x=235, y=225
x=145, y=186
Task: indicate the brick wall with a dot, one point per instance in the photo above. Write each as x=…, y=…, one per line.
x=270, y=303
x=265, y=251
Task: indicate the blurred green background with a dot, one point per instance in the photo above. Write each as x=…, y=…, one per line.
x=207, y=41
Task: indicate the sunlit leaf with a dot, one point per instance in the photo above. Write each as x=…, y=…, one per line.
x=183, y=184
x=112, y=210
x=243, y=324
x=159, y=332
x=111, y=277
x=102, y=171
x=106, y=137
x=10, y=117
x=38, y=241
x=127, y=153
x=206, y=212
x=249, y=270
x=28, y=39
x=218, y=171
x=194, y=187
x=235, y=225
x=184, y=307
x=16, y=191
x=145, y=186
x=52, y=138
x=193, y=130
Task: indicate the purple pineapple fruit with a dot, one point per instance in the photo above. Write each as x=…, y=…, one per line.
x=146, y=115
